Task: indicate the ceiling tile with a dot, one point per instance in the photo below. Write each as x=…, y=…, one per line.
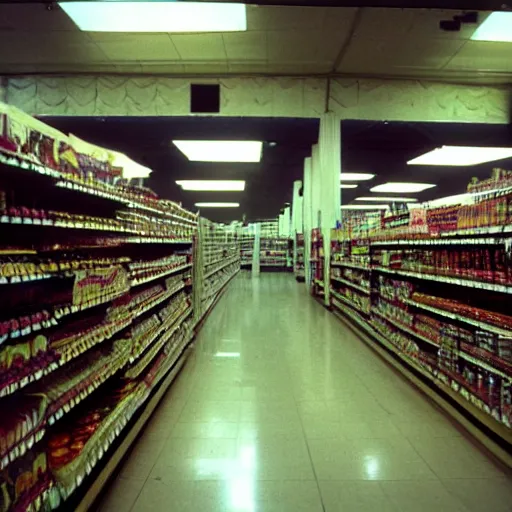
x=425, y=24
x=380, y=23
x=307, y=46
x=246, y=45
x=338, y=18
x=274, y=17
x=377, y=56
x=35, y=17
x=200, y=46
x=58, y=47
x=156, y=47
x=483, y=56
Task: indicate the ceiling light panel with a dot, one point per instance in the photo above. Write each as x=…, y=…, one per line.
x=217, y=205
x=212, y=185
x=220, y=150
x=356, y=176
x=390, y=199
x=496, y=27
x=462, y=155
x=157, y=16
x=364, y=207
x=345, y=185
x=401, y=187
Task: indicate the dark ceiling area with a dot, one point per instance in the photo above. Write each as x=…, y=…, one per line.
x=380, y=148
x=384, y=148
x=147, y=140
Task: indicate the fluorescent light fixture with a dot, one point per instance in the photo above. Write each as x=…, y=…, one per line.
x=496, y=27
x=364, y=206
x=227, y=354
x=345, y=185
x=461, y=155
x=220, y=150
x=157, y=16
x=401, y=187
x=217, y=205
x=212, y=185
x=391, y=199
x=356, y=176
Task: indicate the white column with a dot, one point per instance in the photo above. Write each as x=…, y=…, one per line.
x=297, y=211
x=307, y=210
x=287, y=222
x=316, y=180
x=256, y=250
x=329, y=143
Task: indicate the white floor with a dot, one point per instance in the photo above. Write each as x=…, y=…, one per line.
x=281, y=408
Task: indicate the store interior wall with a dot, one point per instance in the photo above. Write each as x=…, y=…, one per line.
x=348, y=98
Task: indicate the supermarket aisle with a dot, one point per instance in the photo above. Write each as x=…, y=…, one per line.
x=282, y=409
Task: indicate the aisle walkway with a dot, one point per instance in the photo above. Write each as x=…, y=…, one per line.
x=282, y=409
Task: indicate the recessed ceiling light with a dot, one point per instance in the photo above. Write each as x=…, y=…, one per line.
x=157, y=16
x=227, y=354
x=400, y=187
x=390, y=199
x=220, y=150
x=212, y=185
x=496, y=27
x=217, y=205
x=461, y=155
x=364, y=206
x=356, y=176
x=345, y=185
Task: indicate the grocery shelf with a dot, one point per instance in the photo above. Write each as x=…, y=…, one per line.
x=480, y=285
x=419, y=376
x=404, y=328
x=362, y=289
x=446, y=240
x=109, y=192
x=350, y=265
x=145, y=411
x=454, y=316
x=347, y=301
x=485, y=365
x=215, y=270
x=161, y=274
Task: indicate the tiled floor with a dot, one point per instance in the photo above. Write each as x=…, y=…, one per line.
x=281, y=408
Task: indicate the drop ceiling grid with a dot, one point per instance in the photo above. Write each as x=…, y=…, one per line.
x=280, y=40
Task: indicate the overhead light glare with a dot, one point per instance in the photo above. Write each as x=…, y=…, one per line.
x=212, y=185
x=461, y=155
x=364, y=207
x=390, y=199
x=156, y=16
x=356, y=176
x=401, y=187
x=496, y=27
x=227, y=354
x=217, y=205
x=220, y=150
x=345, y=185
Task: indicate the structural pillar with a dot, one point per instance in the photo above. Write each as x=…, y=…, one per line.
x=308, y=220
x=329, y=143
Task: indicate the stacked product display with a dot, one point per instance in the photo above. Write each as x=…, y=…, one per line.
x=96, y=311
x=299, y=257
x=433, y=286
x=274, y=252
x=246, y=248
x=219, y=263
